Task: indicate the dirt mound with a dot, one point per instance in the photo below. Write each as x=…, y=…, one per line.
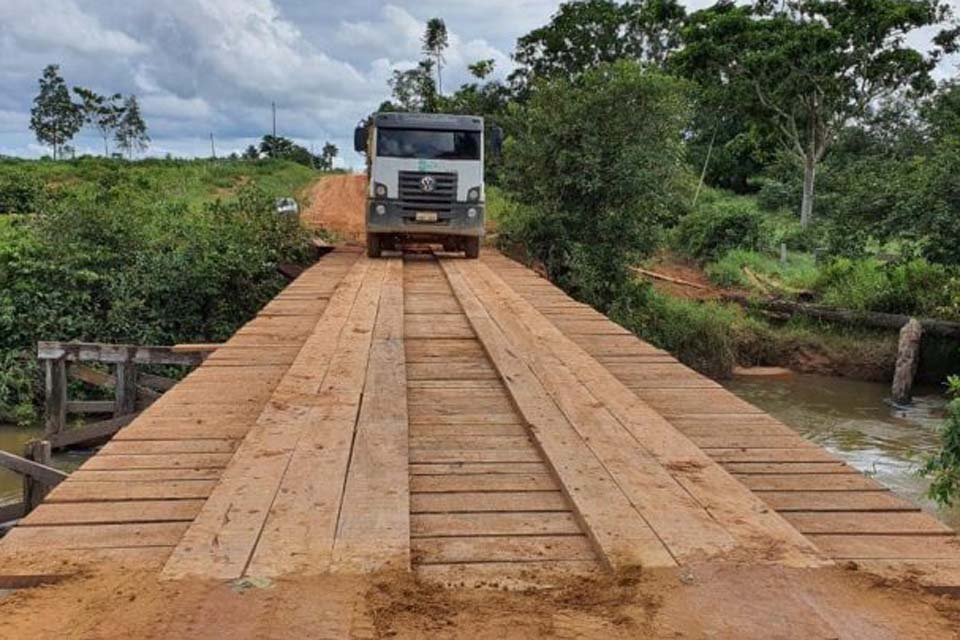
x=336, y=203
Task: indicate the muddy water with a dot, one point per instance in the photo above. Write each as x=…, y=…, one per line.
x=852, y=419
x=12, y=439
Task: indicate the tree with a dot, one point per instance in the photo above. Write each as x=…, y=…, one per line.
x=251, y=153
x=54, y=118
x=414, y=89
x=481, y=68
x=131, y=132
x=435, y=41
x=327, y=156
x=584, y=34
x=103, y=113
x=806, y=69
x=596, y=165
x=276, y=146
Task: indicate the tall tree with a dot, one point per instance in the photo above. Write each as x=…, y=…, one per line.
x=54, y=118
x=481, y=68
x=806, y=69
x=435, y=41
x=131, y=131
x=414, y=89
x=327, y=156
x=103, y=113
x=586, y=33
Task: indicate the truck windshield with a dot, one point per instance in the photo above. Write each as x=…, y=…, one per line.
x=430, y=144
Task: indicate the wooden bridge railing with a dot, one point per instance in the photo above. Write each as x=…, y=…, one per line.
x=132, y=390
x=38, y=477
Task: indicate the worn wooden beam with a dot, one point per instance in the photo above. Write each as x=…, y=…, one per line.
x=125, y=400
x=40, y=472
x=202, y=348
x=114, y=353
x=34, y=491
x=91, y=432
x=156, y=383
x=148, y=388
x=90, y=406
x=11, y=512
x=55, y=396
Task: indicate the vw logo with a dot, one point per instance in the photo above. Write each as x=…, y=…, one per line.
x=427, y=183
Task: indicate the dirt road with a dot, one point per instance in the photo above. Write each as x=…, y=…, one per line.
x=336, y=204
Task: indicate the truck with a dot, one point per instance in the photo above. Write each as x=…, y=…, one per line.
x=425, y=181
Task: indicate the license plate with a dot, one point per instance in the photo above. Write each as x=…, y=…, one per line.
x=426, y=216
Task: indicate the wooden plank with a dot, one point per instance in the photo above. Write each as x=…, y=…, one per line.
x=314, y=481
x=683, y=524
x=470, y=467
x=90, y=406
x=846, y=522
x=474, y=370
x=729, y=504
x=618, y=532
x=803, y=454
x=140, y=447
x=150, y=534
x=75, y=491
x=113, y=353
x=40, y=472
x=221, y=539
x=927, y=547
x=482, y=430
x=91, y=432
x=471, y=443
x=144, y=475
x=811, y=482
x=10, y=512
x=76, y=513
x=787, y=468
x=484, y=482
x=478, y=501
x=158, y=461
x=425, y=525
x=478, y=455
x=501, y=549
x=785, y=501
x=373, y=530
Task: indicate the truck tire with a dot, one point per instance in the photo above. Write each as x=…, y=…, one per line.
x=471, y=248
x=373, y=245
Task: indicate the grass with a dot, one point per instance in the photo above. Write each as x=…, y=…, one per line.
x=800, y=271
x=193, y=182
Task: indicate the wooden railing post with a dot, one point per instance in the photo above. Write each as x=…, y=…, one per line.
x=125, y=392
x=55, y=401
x=34, y=492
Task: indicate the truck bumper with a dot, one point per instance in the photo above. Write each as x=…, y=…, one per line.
x=399, y=221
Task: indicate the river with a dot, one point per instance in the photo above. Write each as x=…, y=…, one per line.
x=849, y=417
x=12, y=439
x=853, y=420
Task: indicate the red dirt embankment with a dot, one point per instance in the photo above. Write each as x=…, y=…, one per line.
x=335, y=203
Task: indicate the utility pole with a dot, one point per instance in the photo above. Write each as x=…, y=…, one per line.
x=213, y=149
x=274, y=106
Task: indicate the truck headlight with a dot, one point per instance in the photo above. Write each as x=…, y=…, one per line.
x=380, y=190
x=474, y=194
x=380, y=209
x=471, y=212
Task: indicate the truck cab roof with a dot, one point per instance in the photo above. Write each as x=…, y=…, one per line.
x=446, y=122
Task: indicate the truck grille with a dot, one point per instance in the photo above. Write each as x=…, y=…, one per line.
x=440, y=197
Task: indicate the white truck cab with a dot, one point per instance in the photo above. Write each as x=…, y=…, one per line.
x=426, y=180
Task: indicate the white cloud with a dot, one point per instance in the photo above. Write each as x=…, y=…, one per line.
x=42, y=23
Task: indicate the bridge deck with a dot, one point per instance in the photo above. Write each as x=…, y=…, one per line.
x=461, y=416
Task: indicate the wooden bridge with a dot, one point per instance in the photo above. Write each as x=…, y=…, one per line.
x=459, y=418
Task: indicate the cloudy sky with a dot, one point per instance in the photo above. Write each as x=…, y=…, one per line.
x=214, y=66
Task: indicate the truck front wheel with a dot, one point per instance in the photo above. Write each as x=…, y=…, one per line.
x=471, y=248
x=373, y=245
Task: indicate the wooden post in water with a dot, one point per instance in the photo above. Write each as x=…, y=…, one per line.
x=908, y=359
x=34, y=492
x=55, y=400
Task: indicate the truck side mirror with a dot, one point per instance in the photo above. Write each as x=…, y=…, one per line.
x=496, y=140
x=360, y=139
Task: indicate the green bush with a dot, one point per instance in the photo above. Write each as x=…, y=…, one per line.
x=20, y=192
x=777, y=196
x=596, y=167
x=944, y=467
x=913, y=287
x=111, y=261
x=798, y=273
x=719, y=226
x=701, y=335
